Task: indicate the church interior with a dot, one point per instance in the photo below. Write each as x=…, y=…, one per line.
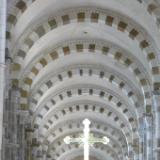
x=62, y=61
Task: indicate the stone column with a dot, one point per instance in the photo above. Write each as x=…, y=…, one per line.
x=149, y=140
x=141, y=134
x=156, y=102
x=2, y=65
x=131, y=155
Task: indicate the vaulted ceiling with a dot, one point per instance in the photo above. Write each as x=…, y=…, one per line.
x=76, y=59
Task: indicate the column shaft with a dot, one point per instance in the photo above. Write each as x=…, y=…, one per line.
x=2, y=65
x=156, y=102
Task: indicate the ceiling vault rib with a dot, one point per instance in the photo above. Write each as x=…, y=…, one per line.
x=80, y=59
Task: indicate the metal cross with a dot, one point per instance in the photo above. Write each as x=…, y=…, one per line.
x=86, y=139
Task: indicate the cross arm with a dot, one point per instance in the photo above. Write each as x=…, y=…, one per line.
x=69, y=140
x=92, y=140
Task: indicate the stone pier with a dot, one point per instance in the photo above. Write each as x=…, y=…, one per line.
x=2, y=65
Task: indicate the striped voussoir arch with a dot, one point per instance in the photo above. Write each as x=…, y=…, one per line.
x=147, y=76
x=122, y=26
x=104, y=50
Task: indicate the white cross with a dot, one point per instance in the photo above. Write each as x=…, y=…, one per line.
x=87, y=139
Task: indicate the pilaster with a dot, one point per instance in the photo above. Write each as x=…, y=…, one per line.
x=2, y=65
x=149, y=137
x=156, y=102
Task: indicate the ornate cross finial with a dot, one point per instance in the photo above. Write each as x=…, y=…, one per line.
x=87, y=139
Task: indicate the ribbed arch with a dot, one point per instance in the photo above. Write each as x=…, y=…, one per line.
x=79, y=59
x=76, y=132
x=78, y=83
x=71, y=71
x=95, y=152
x=34, y=70
x=52, y=138
x=113, y=145
x=117, y=117
x=102, y=4
x=89, y=100
x=143, y=45
x=151, y=55
x=112, y=151
x=46, y=104
x=38, y=94
x=98, y=117
x=110, y=116
x=85, y=59
x=143, y=80
x=81, y=44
